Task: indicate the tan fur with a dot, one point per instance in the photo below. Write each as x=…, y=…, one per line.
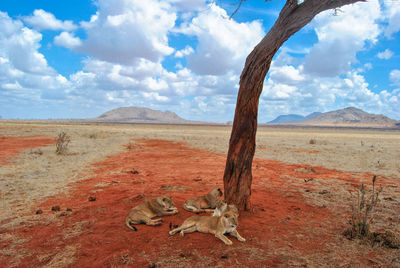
x=205, y=203
x=222, y=206
x=143, y=213
x=217, y=225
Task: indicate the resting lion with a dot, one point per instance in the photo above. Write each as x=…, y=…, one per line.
x=205, y=203
x=226, y=223
x=143, y=213
x=222, y=206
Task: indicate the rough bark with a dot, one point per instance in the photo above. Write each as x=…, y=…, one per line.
x=238, y=175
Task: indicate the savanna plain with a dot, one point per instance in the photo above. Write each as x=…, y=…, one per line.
x=69, y=209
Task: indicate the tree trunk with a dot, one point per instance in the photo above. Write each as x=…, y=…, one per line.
x=293, y=17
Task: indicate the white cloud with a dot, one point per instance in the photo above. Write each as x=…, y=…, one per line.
x=184, y=52
x=26, y=80
x=20, y=45
x=392, y=14
x=286, y=74
x=223, y=44
x=42, y=20
x=189, y=5
x=124, y=31
x=67, y=40
x=395, y=77
x=151, y=96
x=338, y=43
x=385, y=55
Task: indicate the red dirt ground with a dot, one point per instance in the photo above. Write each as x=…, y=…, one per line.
x=11, y=146
x=283, y=229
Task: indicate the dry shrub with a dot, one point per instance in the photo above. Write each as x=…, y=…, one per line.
x=37, y=151
x=130, y=146
x=62, y=143
x=313, y=141
x=361, y=211
x=362, y=217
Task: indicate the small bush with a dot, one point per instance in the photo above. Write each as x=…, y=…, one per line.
x=130, y=146
x=37, y=151
x=93, y=136
x=313, y=141
x=362, y=212
x=62, y=143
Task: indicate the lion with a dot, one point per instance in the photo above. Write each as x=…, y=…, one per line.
x=217, y=225
x=143, y=213
x=205, y=203
x=222, y=206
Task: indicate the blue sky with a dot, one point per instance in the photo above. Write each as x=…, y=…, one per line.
x=80, y=58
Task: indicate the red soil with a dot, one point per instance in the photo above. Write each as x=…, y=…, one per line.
x=283, y=229
x=11, y=146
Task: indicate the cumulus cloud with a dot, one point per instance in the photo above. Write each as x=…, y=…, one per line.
x=223, y=44
x=19, y=46
x=286, y=74
x=392, y=14
x=123, y=31
x=385, y=55
x=42, y=20
x=67, y=40
x=395, y=77
x=338, y=43
x=184, y=52
x=25, y=77
x=189, y=5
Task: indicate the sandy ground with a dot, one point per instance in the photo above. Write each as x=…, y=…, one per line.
x=300, y=195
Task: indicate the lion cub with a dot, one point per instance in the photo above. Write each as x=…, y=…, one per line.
x=222, y=206
x=143, y=213
x=217, y=225
x=205, y=203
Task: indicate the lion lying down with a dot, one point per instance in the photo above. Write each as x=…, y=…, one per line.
x=217, y=225
x=205, y=203
x=143, y=213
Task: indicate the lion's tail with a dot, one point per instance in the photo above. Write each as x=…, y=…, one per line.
x=128, y=223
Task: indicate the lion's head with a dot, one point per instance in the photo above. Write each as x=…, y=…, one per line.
x=229, y=220
x=216, y=192
x=166, y=202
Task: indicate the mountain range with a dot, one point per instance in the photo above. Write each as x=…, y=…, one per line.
x=350, y=116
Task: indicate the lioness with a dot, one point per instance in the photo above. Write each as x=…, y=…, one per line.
x=143, y=213
x=205, y=203
x=217, y=225
x=222, y=206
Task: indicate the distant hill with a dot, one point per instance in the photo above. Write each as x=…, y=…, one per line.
x=292, y=118
x=312, y=115
x=141, y=115
x=352, y=117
